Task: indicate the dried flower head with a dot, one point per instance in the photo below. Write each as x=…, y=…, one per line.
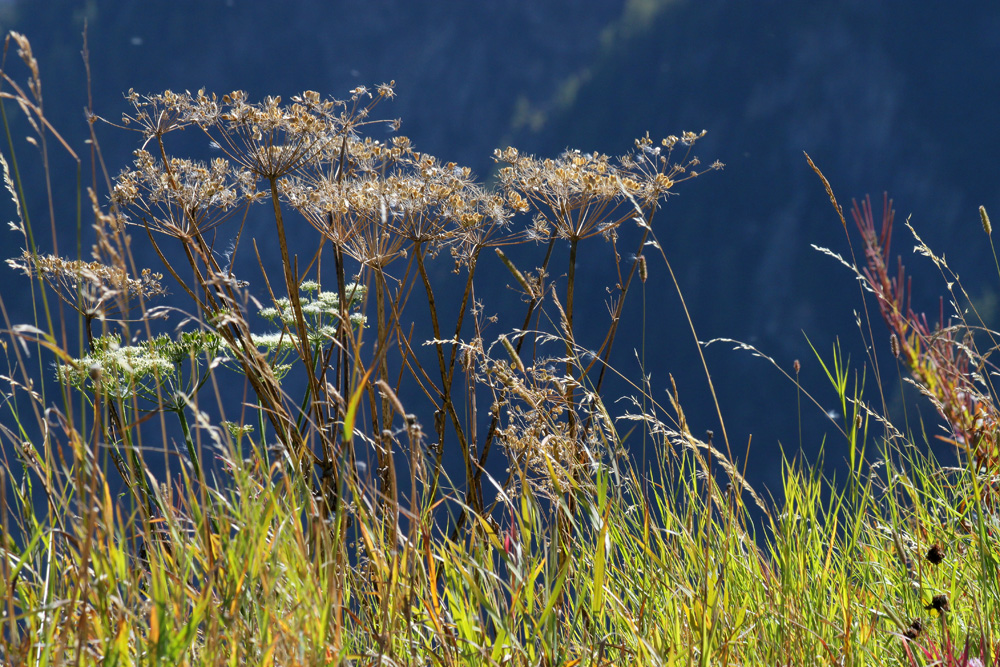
x=154, y=115
x=374, y=199
x=578, y=195
x=93, y=289
x=271, y=139
x=183, y=198
x=534, y=413
x=28, y=58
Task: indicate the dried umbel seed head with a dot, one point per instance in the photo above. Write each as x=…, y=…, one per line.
x=935, y=554
x=916, y=627
x=987, y=227
x=90, y=288
x=939, y=603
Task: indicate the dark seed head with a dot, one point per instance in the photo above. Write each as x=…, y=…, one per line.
x=939, y=603
x=935, y=554
x=916, y=627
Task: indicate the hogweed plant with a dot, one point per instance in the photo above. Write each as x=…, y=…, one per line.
x=303, y=401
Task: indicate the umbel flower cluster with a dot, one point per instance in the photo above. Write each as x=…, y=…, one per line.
x=380, y=211
x=136, y=370
x=92, y=288
x=122, y=371
x=321, y=312
x=577, y=195
x=371, y=203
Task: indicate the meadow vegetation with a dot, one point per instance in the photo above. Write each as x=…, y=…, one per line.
x=294, y=462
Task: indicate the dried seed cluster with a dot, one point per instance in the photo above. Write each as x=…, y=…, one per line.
x=94, y=289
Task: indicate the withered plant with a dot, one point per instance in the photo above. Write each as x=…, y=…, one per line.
x=351, y=376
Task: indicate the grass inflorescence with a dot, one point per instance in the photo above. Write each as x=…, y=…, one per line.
x=294, y=460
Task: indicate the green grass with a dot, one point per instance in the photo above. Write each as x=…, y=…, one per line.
x=304, y=481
